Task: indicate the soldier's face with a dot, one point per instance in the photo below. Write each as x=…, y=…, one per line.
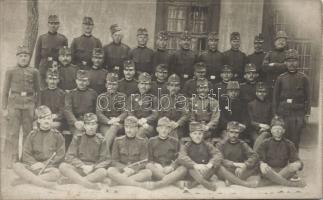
x=291, y=64
x=65, y=59
x=197, y=136
x=82, y=83
x=233, y=135
x=144, y=87
x=129, y=73
x=53, y=27
x=23, y=59
x=200, y=73
x=226, y=76
x=97, y=61
x=163, y=131
x=233, y=94
x=261, y=94
x=117, y=37
x=202, y=91
x=280, y=43
x=52, y=82
x=87, y=28
x=161, y=75
x=142, y=40
x=185, y=44
x=258, y=46
x=45, y=122
x=90, y=128
x=161, y=44
x=213, y=44
x=112, y=87
x=174, y=87
x=277, y=132
x=251, y=76
x=235, y=44
x=131, y=130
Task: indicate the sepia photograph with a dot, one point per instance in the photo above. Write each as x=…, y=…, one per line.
x=161, y=99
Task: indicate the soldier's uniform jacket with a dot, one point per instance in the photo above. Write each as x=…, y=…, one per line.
x=203, y=153
x=237, y=152
x=55, y=100
x=111, y=106
x=277, y=154
x=182, y=63
x=190, y=87
x=257, y=58
x=114, y=55
x=126, y=151
x=160, y=57
x=79, y=102
x=260, y=111
x=97, y=79
x=142, y=57
x=214, y=63
x=88, y=150
x=271, y=73
x=82, y=48
x=154, y=88
x=219, y=89
x=237, y=60
x=21, y=87
x=47, y=46
x=163, y=151
x=128, y=87
x=40, y=146
x=291, y=93
x=67, y=76
x=248, y=91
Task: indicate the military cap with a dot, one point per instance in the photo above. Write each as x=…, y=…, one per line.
x=202, y=83
x=277, y=121
x=112, y=77
x=199, y=66
x=88, y=21
x=142, y=31
x=226, y=68
x=131, y=121
x=259, y=38
x=161, y=67
x=65, y=51
x=52, y=73
x=22, y=49
x=98, y=52
x=291, y=54
x=196, y=126
x=128, y=63
x=235, y=126
x=250, y=67
x=233, y=85
x=164, y=121
x=261, y=86
x=82, y=74
x=144, y=78
x=163, y=35
x=235, y=36
x=186, y=35
x=53, y=19
x=42, y=111
x=90, y=117
x=213, y=36
x=114, y=28
x=174, y=78
x=281, y=34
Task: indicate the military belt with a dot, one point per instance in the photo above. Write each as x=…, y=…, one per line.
x=23, y=93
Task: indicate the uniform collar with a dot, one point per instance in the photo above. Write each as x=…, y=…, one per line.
x=52, y=33
x=87, y=36
x=23, y=67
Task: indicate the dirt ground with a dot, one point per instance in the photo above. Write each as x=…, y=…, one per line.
x=309, y=153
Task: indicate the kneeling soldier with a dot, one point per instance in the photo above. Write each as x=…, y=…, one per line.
x=87, y=156
x=279, y=161
x=162, y=153
x=43, y=150
x=239, y=160
x=199, y=157
x=129, y=156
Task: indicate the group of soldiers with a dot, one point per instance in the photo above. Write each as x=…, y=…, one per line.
x=149, y=118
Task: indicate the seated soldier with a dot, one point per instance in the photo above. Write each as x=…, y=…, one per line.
x=128, y=85
x=162, y=154
x=279, y=160
x=110, y=110
x=43, y=150
x=161, y=74
x=240, y=162
x=248, y=88
x=129, y=157
x=143, y=106
x=200, y=158
x=87, y=157
x=226, y=76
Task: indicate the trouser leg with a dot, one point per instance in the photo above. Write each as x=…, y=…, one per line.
x=157, y=173
x=260, y=139
x=120, y=178
x=172, y=177
x=97, y=176
x=230, y=176
x=142, y=175
x=198, y=177
x=294, y=126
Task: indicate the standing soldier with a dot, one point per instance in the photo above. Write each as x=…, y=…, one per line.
x=142, y=55
x=161, y=55
x=213, y=58
x=97, y=73
x=183, y=60
x=248, y=88
x=258, y=56
x=292, y=97
x=78, y=102
x=128, y=85
x=67, y=71
x=234, y=57
x=159, y=84
x=83, y=46
x=47, y=47
x=20, y=96
x=116, y=52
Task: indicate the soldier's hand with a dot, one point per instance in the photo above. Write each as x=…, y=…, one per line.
x=158, y=166
x=87, y=168
x=240, y=170
x=37, y=165
x=54, y=116
x=79, y=125
x=264, y=168
x=271, y=64
x=264, y=126
x=142, y=121
x=295, y=166
x=114, y=120
x=168, y=169
x=175, y=125
x=239, y=165
x=128, y=171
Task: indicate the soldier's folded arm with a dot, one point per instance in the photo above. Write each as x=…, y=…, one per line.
x=215, y=115
x=115, y=156
x=68, y=110
x=72, y=153
x=104, y=157
x=252, y=156
x=27, y=154
x=184, y=159
x=225, y=162
x=60, y=152
x=293, y=155
x=217, y=157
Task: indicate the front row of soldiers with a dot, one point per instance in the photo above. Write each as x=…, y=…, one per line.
x=158, y=162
